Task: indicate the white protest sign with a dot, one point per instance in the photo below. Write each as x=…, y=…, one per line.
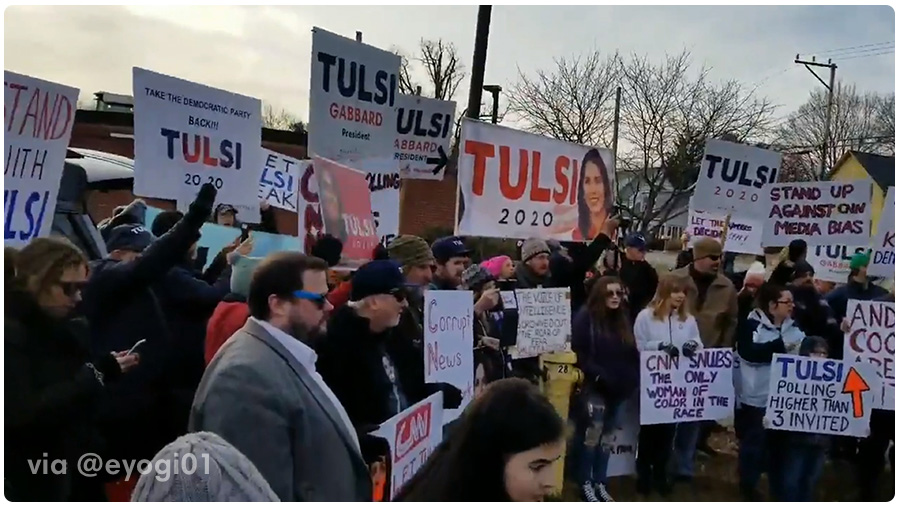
x=38, y=118
x=545, y=322
x=412, y=435
x=824, y=212
x=744, y=234
x=623, y=441
x=449, y=338
x=683, y=389
x=279, y=184
x=735, y=176
x=883, y=258
x=871, y=339
x=832, y=262
x=353, y=93
x=187, y=134
x=424, y=134
x=519, y=185
x=820, y=396
x=383, y=179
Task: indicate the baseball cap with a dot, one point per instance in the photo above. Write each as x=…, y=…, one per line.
x=129, y=237
x=446, y=248
x=637, y=241
x=225, y=208
x=376, y=278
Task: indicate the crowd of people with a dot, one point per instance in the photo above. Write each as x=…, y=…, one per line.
x=279, y=371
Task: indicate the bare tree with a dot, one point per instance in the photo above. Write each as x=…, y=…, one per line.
x=439, y=61
x=571, y=102
x=281, y=120
x=667, y=115
x=862, y=122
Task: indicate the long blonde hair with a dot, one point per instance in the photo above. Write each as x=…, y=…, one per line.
x=669, y=284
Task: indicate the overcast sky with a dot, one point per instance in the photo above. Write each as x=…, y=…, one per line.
x=265, y=51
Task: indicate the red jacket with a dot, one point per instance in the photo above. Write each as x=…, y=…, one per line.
x=340, y=295
x=230, y=315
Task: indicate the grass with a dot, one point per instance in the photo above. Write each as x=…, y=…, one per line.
x=717, y=480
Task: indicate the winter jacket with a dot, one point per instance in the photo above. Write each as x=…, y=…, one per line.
x=611, y=367
x=572, y=275
x=123, y=306
x=51, y=401
x=640, y=279
x=757, y=340
x=229, y=316
x=340, y=295
x=650, y=333
x=838, y=297
x=717, y=316
x=814, y=317
x=352, y=363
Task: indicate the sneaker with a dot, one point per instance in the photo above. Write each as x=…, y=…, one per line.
x=587, y=491
x=602, y=493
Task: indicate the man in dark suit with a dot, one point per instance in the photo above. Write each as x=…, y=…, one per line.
x=263, y=395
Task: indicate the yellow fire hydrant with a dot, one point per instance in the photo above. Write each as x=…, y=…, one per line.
x=561, y=379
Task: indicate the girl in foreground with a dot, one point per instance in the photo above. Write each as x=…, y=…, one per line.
x=504, y=449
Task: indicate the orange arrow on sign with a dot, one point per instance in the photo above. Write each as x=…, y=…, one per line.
x=855, y=385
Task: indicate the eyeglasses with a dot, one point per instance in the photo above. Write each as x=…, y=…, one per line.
x=615, y=293
x=316, y=298
x=785, y=302
x=399, y=293
x=714, y=258
x=70, y=288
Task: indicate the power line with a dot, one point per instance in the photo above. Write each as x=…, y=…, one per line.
x=846, y=49
x=891, y=51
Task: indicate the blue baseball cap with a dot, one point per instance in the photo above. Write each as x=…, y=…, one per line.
x=129, y=237
x=376, y=278
x=636, y=241
x=446, y=248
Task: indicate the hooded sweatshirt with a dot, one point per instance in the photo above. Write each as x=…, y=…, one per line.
x=759, y=339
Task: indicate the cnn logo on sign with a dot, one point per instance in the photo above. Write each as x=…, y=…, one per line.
x=411, y=431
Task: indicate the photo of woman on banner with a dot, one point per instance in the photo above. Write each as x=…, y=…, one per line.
x=595, y=198
x=332, y=210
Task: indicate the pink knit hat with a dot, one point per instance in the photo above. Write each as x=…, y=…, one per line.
x=495, y=265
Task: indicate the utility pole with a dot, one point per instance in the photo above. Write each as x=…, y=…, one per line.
x=830, y=88
x=358, y=36
x=615, y=146
x=494, y=90
x=482, y=29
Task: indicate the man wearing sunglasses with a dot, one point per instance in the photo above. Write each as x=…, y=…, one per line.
x=715, y=304
x=262, y=392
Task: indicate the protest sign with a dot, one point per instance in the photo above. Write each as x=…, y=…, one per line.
x=449, y=357
x=352, y=98
x=38, y=117
x=412, y=435
x=686, y=389
x=882, y=263
x=823, y=212
x=519, y=185
x=820, y=396
x=279, y=184
x=545, y=322
x=346, y=209
x=871, y=339
x=735, y=176
x=623, y=441
x=187, y=134
x=384, y=182
x=744, y=234
x=832, y=261
x=424, y=133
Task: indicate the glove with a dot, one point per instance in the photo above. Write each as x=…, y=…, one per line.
x=108, y=367
x=670, y=349
x=202, y=206
x=689, y=349
x=452, y=395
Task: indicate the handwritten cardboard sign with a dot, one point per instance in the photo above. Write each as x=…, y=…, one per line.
x=686, y=389
x=823, y=212
x=820, y=396
x=412, y=436
x=871, y=339
x=545, y=322
x=38, y=118
x=883, y=257
x=279, y=184
x=623, y=441
x=744, y=234
x=449, y=338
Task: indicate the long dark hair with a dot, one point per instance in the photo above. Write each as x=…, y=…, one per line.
x=509, y=418
x=584, y=214
x=601, y=315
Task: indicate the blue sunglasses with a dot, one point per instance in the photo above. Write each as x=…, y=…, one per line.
x=316, y=298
